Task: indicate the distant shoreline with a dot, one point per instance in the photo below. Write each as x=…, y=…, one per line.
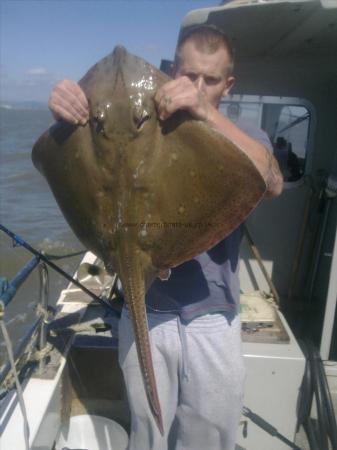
x=25, y=105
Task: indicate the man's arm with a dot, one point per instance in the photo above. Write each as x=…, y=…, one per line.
x=67, y=101
x=182, y=94
x=263, y=159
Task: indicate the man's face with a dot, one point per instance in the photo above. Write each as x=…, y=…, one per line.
x=209, y=72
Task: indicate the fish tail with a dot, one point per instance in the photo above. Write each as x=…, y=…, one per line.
x=145, y=360
x=133, y=283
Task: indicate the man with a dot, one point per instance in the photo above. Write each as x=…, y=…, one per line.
x=193, y=318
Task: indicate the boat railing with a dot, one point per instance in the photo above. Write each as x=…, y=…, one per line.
x=39, y=329
x=8, y=290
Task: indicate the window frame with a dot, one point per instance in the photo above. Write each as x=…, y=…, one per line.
x=262, y=100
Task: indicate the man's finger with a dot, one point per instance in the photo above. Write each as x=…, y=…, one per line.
x=68, y=113
x=82, y=98
x=176, y=94
x=180, y=84
x=69, y=98
x=167, y=106
x=165, y=90
x=63, y=114
x=70, y=86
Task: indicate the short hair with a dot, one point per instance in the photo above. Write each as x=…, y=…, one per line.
x=208, y=39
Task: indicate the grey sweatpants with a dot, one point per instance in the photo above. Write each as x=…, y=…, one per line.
x=200, y=375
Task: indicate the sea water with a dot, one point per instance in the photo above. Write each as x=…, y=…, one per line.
x=28, y=208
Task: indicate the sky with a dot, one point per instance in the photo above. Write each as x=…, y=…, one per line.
x=44, y=41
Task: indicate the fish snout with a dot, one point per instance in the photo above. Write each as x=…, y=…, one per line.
x=119, y=53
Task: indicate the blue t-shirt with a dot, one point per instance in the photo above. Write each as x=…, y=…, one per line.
x=209, y=282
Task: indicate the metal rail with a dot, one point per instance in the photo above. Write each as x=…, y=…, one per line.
x=43, y=301
x=8, y=291
x=43, y=258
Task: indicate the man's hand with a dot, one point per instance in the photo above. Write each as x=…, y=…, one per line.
x=68, y=102
x=181, y=93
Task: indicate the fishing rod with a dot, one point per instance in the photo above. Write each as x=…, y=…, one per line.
x=43, y=258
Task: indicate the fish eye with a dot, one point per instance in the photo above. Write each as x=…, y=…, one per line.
x=98, y=120
x=140, y=118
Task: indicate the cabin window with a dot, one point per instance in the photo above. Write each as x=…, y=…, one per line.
x=286, y=120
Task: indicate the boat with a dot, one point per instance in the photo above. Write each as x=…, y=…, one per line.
x=72, y=391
